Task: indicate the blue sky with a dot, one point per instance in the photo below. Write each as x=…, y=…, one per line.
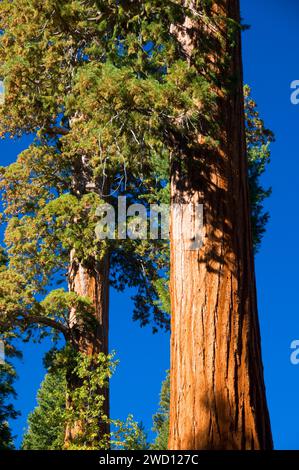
x=271, y=63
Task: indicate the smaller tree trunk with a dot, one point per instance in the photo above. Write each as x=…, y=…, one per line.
x=90, y=281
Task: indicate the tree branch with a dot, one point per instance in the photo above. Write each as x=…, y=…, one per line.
x=48, y=322
x=56, y=130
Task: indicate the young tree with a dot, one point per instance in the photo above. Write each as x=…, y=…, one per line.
x=48, y=421
x=7, y=391
x=46, y=424
x=218, y=396
x=258, y=140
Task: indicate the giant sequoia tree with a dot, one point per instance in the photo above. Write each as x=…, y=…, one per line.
x=258, y=139
x=217, y=388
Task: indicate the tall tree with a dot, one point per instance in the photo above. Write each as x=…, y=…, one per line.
x=218, y=396
x=71, y=74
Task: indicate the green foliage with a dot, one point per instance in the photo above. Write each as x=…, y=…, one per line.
x=162, y=288
x=161, y=418
x=128, y=435
x=258, y=139
x=51, y=74
x=7, y=411
x=107, y=92
x=86, y=400
x=46, y=424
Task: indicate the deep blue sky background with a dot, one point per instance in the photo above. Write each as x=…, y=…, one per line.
x=271, y=63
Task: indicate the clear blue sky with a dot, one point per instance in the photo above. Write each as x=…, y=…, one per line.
x=271, y=63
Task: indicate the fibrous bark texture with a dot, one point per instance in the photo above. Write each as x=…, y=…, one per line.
x=218, y=396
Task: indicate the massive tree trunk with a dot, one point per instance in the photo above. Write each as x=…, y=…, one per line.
x=218, y=396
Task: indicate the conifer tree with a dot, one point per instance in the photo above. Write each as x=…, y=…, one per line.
x=7, y=411
x=87, y=80
x=46, y=424
x=73, y=74
x=218, y=398
x=258, y=140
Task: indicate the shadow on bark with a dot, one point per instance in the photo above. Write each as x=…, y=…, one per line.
x=218, y=398
x=222, y=434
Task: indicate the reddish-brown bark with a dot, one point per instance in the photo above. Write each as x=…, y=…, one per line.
x=91, y=281
x=217, y=387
